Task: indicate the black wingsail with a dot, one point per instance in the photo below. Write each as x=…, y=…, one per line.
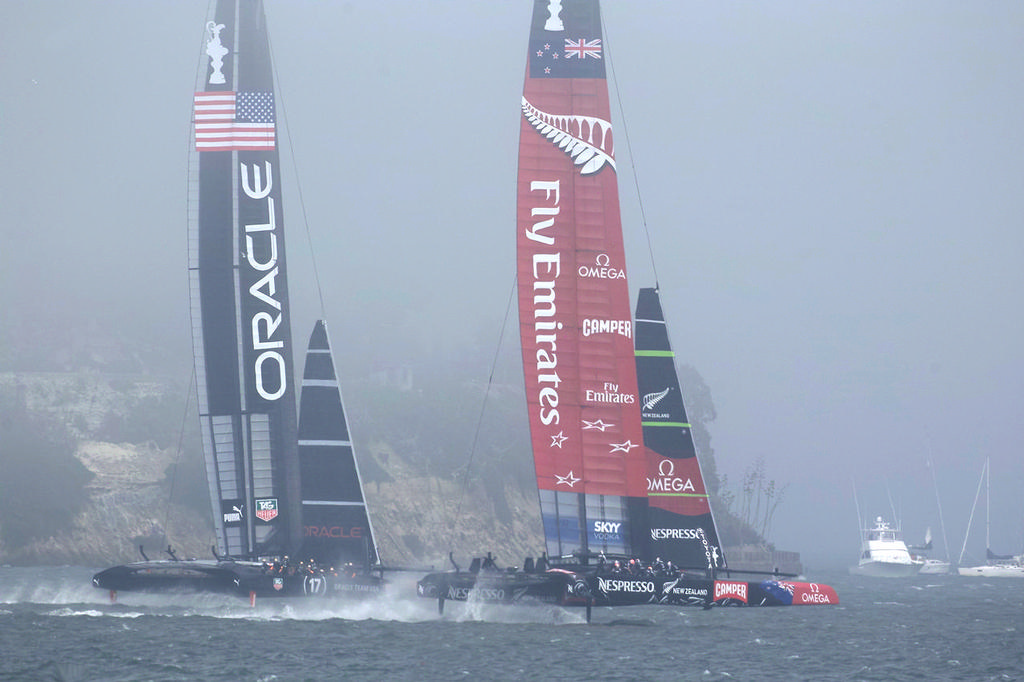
x=679, y=513
x=239, y=294
x=284, y=525
x=336, y=523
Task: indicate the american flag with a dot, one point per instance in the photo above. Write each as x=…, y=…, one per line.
x=234, y=120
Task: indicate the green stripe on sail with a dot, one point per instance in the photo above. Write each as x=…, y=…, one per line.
x=682, y=425
x=676, y=495
x=655, y=354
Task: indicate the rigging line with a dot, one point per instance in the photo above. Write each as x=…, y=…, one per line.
x=629, y=150
x=298, y=184
x=895, y=518
x=480, y=418
x=192, y=173
x=938, y=502
x=181, y=441
x=191, y=178
x=970, y=519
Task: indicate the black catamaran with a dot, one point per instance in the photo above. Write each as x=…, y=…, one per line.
x=288, y=507
x=626, y=516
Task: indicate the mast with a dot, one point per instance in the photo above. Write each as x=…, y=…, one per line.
x=574, y=311
x=238, y=289
x=970, y=519
x=938, y=504
x=988, y=507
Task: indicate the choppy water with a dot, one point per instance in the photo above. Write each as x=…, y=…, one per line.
x=55, y=626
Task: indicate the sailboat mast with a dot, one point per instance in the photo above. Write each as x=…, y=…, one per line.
x=860, y=522
x=938, y=503
x=974, y=506
x=988, y=505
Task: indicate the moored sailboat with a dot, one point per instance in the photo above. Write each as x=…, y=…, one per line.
x=625, y=513
x=288, y=510
x=996, y=565
x=929, y=566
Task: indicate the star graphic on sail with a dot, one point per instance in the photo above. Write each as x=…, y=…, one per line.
x=623, y=447
x=599, y=425
x=558, y=439
x=569, y=479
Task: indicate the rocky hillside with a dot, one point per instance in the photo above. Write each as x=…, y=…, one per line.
x=417, y=518
x=145, y=484
x=97, y=464
x=127, y=506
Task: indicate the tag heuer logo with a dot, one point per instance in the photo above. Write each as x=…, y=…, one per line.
x=266, y=510
x=278, y=584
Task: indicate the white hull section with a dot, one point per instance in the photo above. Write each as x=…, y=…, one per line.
x=996, y=571
x=884, y=569
x=935, y=567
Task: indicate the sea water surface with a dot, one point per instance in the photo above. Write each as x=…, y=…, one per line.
x=55, y=626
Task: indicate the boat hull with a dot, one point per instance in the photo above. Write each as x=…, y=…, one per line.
x=935, y=567
x=576, y=588
x=611, y=590
x=562, y=588
x=241, y=578
x=171, y=576
x=992, y=571
x=886, y=569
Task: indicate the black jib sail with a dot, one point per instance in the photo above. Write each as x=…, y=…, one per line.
x=680, y=523
x=335, y=521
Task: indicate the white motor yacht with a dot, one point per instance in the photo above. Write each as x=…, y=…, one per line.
x=884, y=554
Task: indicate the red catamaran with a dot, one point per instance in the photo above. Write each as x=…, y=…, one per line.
x=626, y=515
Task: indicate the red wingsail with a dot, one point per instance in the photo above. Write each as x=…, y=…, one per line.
x=574, y=308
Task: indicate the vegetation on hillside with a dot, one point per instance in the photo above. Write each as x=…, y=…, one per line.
x=42, y=487
x=744, y=518
x=478, y=435
x=434, y=424
x=169, y=421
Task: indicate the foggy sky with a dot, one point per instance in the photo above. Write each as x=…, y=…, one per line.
x=833, y=192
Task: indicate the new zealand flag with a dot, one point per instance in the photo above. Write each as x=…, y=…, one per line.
x=565, y=40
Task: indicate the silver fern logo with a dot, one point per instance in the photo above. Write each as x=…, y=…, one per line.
x=586, y=139
x=652, y=399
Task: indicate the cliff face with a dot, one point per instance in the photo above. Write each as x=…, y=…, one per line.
x=152, y=492
x=419, y=519
x=126, y=497
x=147, y=484
x=127, y=507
